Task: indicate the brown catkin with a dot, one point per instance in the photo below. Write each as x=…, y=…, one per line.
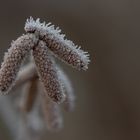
x=64, y=49
x=67, y=52
x=13, y=59
x=52, y=114
x=48, y=73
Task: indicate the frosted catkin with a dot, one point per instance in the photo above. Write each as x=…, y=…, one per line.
x=13, y=60
x=65, y=52
x=64, y=49
x=47, y=73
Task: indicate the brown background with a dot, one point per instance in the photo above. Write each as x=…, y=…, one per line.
x=108, y=94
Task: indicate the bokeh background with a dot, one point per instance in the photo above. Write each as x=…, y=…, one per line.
x=108, y=94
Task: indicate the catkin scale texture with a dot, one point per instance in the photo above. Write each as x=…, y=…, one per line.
x=13, y=60
x=47, y=73
x=62, y=48
x=65, y=53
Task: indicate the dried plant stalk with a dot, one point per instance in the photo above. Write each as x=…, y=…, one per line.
x=67, y=52
x=47, y=73
x=13, y=59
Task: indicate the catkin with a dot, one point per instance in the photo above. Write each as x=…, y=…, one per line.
x=13, y=60
x=64, y=49
x=47, y=73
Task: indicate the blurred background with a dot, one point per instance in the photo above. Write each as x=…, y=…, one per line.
x=108, y=93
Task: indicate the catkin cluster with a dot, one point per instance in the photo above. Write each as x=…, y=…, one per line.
x=42, y=40
x=31, y=92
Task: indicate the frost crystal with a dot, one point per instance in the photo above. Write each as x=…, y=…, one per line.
x=64, y=49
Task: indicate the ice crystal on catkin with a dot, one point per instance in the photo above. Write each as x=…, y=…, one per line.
x=47, y=72
x=64, y=49
x=13, y=59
